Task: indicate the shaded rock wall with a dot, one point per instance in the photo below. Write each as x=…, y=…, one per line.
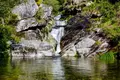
x=83, y=40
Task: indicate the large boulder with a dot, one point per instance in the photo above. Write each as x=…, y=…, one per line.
x=83, y=51
x=71, y=52
x=32, y=34
x=26, y=9
x=30, y=43
x=26, y=24
x=85, y=43
x=36, y=44
x=33, y=48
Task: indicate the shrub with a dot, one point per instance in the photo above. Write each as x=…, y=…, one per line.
x=5, y=35
x=38, y=2
x=54, y=3
x=109, y=56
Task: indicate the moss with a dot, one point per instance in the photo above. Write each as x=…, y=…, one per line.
x=39, y=2
x=77, y=54
x=98, y=43
x=39, y=14
x=55, y=4
x=45, y=31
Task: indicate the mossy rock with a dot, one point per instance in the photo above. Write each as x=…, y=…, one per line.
x=39, y=2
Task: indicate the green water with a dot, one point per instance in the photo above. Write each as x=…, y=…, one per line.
x=59, y=69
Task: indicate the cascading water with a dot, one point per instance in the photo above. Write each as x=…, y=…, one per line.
x=58, y=31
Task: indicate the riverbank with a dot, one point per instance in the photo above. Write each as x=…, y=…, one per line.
x=59, y=68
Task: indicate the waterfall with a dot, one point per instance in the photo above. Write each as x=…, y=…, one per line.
x=57, y=34
x=58, y=31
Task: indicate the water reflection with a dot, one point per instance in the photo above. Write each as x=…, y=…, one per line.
x=58, y=69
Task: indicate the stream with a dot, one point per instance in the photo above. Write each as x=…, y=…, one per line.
x=59, y=69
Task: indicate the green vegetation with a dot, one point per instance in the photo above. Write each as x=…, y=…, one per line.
x=55, y=4
x=108, y=57
x=38, y=15
x=38, y=2
x=107, y=13
x=5, y=33
x=98, y=42
x=7, y=21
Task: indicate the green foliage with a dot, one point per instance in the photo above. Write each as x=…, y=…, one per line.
x=38, y=2
x=54, y=3
x=62, y=1
x=6, y=6
x=109, y=12
x=5, y=35
x=46, y=30
x=39, y=14
x=109, y=56
x=7, y=21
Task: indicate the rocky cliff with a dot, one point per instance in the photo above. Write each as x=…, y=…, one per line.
x=46, y=35
x=35, y=23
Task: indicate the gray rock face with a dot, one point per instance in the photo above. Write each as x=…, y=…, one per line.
x=83, y=51
x=71, y=52
x=85, y=43
x=82, y=48
x=37, y=43
x=33, y=48
x=30, y=43
x=78, y=1
x=60, y=23
x=32, y=34
x=25, y=10
x=47, y=11
x=26, y=23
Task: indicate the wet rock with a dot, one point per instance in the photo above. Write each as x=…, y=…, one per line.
x=58, y=33
x=82, y=52
x=57, y=17
x=60, y=23
x=71, y=52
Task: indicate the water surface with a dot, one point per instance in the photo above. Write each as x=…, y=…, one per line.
x=59, y=69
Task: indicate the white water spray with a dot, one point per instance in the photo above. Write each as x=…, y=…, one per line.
x=58, y=31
